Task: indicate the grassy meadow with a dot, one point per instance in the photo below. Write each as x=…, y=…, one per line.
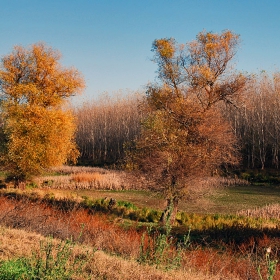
x=106, y=225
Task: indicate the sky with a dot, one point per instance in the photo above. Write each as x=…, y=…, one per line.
x=109, y=42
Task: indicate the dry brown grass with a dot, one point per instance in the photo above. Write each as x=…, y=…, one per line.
x=66, y=169
x=19, y=243
x=91, y=178
x=203, y=187
x=46, y=220
x=94, y=178
x=117, y=268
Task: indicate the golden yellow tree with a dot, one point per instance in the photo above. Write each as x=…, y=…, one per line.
x=38, y=128
x=184, y=134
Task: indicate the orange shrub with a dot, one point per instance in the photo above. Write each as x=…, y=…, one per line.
x=86, y=177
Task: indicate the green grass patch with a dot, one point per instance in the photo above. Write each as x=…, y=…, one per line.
x=233, y=199
x=227, y=200
x=127, y=210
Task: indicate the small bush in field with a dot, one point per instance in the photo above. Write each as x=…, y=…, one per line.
x=246, y=176
x=49, y=197
x=101, y=204
x=31, y=185
x=154, y=216
x=14, y=269
x=149, y=215
x=53, y=261
x=182, y=217
x=160, y=249
x=135, y=215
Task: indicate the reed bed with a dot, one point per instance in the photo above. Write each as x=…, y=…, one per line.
x=94, y=178
x=202, y=187
x=267, y=212
x=91, y=178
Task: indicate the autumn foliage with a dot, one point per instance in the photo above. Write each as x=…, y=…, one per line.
x=39, y=130
x=184, y=134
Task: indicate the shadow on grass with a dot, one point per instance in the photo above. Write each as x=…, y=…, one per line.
x=235, y=238
x=221, y=236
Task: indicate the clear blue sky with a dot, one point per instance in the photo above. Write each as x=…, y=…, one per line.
x=110, y=41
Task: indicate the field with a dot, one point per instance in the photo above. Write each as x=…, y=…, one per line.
x=112, y=226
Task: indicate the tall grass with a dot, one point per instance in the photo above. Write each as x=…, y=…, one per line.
x=97, y=266
x=271, y=211
x=54, y=260
x=94, y=178
x=73, y=178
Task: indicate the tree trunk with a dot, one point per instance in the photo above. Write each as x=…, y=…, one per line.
x=170, y=212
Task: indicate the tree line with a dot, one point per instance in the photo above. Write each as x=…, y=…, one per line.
x=108, y=123
x=256, y=122
x=105, y=125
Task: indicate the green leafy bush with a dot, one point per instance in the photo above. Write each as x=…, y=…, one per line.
x=127, y=205
x=14, y=269
x=53, y=261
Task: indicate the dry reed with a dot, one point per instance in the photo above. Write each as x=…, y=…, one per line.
x=94, y=178
x=91, y=178
x=267, y=212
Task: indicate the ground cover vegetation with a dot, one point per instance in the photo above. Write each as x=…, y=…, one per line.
x=99, y=265
x=185, y=199
x=226, y=246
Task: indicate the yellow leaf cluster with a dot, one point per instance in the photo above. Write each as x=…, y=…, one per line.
x=165, y=47
x=39, y=131
x=35, y=76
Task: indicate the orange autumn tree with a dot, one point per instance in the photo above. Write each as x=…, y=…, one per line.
x=39, y=130
x=184, y=134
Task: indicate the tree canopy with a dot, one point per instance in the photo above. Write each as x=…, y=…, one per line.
x=184, y=134
x=39, y=130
